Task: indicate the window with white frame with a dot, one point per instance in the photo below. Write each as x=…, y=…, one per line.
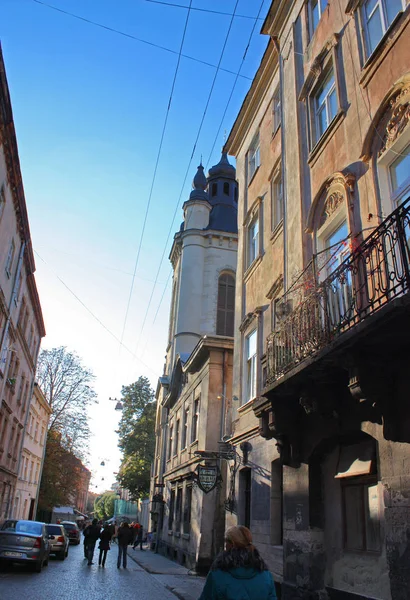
x=325, y=104
x=399, y=174
x=195, y=419
x=170, y=438
x=316, y=10
x=377, y=16
x=254, y=157
x=10, y=258
x=184, y=433
x=276, y=110
x=277, y=199
x=176, y=437
x=251, y=358
x=253, y=239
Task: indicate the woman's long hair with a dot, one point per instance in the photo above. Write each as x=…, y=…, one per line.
x=242, y=552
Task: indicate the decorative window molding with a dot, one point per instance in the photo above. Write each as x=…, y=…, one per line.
x=254, y=157
x=275, y=288
x=336, y=189
x=399, y=120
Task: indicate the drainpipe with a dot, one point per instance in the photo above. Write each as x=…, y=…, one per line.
x=275, y=40
x=223, y=408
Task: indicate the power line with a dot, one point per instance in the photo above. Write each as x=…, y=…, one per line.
x=155, y=170
x=188, y=169
x=205, y=10
x=235, y=81
x=132, y=37
x=94, y=315
x=219, y=129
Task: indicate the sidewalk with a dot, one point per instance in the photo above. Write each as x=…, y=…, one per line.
x=176, y=578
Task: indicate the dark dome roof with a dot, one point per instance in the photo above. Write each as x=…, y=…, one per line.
x=222, y=169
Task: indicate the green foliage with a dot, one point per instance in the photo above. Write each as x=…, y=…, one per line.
x=104, y=505
x=137, y=437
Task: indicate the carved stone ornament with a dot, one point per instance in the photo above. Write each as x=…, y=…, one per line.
x=332, y=203
x=398, y=121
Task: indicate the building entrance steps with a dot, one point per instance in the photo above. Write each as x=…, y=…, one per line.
x=178, y=579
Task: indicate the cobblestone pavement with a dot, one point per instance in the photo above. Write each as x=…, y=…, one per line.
x=74, y=580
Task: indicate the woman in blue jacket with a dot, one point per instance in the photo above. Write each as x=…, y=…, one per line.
x=239, y=573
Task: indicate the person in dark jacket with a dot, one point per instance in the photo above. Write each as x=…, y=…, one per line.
x=124, y=537
x=139, y=536
x=239, y=573
x=105, y=539
x=91, y=535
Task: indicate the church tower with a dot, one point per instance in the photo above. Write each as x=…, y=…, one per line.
x=194, y=391
x=203, y=250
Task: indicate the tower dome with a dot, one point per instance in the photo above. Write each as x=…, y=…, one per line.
x=222, y=169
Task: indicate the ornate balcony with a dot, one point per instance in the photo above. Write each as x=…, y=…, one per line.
x=319, y=309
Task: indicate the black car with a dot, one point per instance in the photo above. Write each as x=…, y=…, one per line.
x=72, y=531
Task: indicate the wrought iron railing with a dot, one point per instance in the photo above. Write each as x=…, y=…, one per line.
x=317, y=310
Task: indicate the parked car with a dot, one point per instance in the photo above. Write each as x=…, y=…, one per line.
x=59, y=541
x=72, y=531
x=24, y=542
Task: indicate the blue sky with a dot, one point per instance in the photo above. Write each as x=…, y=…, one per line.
x=89, y=108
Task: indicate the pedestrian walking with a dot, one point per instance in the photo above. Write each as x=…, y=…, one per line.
x=105, y=539
x=91, y=535
x=138, y=536
x=124, y=537
x=239, y=571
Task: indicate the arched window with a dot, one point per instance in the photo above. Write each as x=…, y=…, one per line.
x=226, y=188
x=226, y=305
x=214, y=189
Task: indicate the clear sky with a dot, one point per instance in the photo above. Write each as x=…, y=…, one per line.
x=89, y=107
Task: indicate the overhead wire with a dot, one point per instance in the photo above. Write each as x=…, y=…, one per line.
x=205, y=10
x=131, y=36
x=155, y=170
x=93, y=314
x=217, y=134
x=188, y=170
x=235, y=82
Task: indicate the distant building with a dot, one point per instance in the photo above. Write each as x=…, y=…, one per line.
x=21, y=319
x=80, y=498
x=194, y=391
x=322, y=143
x=32, y=457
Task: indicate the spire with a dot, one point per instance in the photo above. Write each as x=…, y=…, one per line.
x=223, y=168
x=199, y=185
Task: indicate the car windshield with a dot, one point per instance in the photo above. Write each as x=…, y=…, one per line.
x=23, y=527
x=69, y=527
x=54, y=529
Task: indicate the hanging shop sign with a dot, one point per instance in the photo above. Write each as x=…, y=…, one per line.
x=208, y=477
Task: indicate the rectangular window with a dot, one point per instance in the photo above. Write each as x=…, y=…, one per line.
x=171, y=430
x=400, y=171
x=325, y=104
x=176, y=437
x=37, y=472
x=184, y=432
x=316, y=10
x=361, y=517
x=187, y=509
x=195, y=419
x=10, y=258
x=251, y=356
x=276, y=109
x=178, y=510
x=277, y=200
x=171, y=510
x=253, y=240
x=254, y=157
x=377, y=17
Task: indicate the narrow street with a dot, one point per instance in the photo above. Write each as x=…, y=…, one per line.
x=74, y=580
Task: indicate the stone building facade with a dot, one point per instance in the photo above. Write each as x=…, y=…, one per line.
x=21, y=320
x=32, y=457
x=194, y=392
x=322, y=299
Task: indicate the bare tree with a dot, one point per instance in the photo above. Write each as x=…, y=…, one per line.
x=66, y=384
